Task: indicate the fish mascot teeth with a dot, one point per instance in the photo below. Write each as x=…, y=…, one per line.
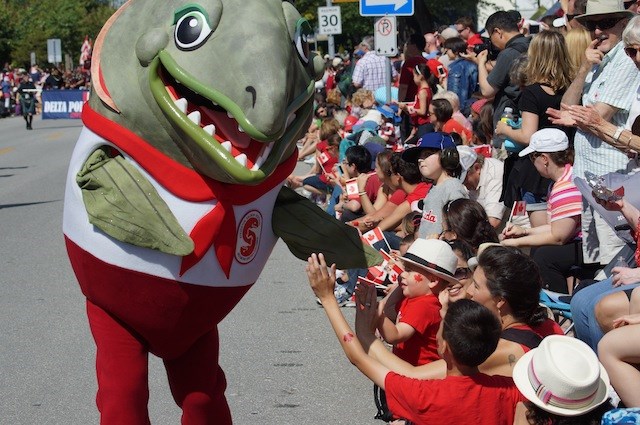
x=174, y=197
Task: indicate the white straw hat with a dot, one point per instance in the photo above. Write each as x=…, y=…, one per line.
x=604, y=9
x=562, y=376
x=434, y=256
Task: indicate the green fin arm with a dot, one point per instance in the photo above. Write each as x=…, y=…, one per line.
x=121, y=202
x=306, y=229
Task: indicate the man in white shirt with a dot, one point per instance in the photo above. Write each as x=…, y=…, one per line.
x=369, y=71
x=483, y=179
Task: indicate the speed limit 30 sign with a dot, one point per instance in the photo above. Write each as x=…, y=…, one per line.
x=329, y=20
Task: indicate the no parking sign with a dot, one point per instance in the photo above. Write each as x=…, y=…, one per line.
x=385, y=36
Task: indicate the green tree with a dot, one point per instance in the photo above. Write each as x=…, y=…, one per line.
x=33, y=22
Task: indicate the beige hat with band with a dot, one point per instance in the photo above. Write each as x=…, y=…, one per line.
x=604, y=9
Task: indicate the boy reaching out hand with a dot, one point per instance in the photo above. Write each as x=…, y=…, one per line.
x=468, y=334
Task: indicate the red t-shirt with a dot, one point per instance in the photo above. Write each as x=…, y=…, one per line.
x=398, y=197
x=371, y=187
x=477, y=399
x=422, y=314
x=406, y=76
x=419, y=192
x=474, y=39
x=453, y=126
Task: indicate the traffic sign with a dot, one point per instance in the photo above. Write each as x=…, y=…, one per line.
x=385, y=36
x=386, y=7
x=54, y=50
x=329, y=20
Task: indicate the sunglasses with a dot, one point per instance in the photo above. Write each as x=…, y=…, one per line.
x=602, y=24
x=632, y=52
x=462, y=273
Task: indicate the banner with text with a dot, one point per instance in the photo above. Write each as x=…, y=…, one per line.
x=63, y=104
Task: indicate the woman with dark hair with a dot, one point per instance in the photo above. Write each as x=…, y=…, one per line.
x=558, y=244
x=441, y=114
x=508, y=283
x=467, y=220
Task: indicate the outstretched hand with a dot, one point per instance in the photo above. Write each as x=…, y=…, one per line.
x=366, y=309
x=321, y=278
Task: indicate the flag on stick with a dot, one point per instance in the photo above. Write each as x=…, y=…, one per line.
x=519, y=209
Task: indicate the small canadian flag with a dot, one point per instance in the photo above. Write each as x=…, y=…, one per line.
x=376, y=274
x=391, y=266
x=373, y=236
x=351, y=186
x=323, y=158
x=365, y=281
x=519, y=209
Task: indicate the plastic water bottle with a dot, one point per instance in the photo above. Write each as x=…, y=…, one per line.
x=507, y=115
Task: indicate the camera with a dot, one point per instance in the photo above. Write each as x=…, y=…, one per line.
x=486, y=45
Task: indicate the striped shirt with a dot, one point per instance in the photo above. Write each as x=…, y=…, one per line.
x=565, y=200
x=369, y=71
x=613, y=82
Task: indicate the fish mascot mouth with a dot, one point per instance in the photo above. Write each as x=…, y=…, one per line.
x=218, y=127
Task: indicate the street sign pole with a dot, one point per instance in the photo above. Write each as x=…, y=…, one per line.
x=332, y=46
x=386, y=44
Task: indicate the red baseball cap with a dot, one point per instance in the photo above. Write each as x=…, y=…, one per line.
x=349, y=122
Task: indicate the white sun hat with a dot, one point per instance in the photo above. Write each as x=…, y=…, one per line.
x=562, y=376
x=434, y=256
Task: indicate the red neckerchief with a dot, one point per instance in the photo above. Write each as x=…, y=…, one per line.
x=191, y=186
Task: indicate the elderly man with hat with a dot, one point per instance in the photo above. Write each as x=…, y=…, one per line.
x=603, y=81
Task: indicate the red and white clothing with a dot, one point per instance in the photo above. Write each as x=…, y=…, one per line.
x=475, y=399
x=142, y=301
x=422, y=314
x=565, y=200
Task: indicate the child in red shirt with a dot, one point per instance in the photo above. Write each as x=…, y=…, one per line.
x=410, y=315
x=469, y=333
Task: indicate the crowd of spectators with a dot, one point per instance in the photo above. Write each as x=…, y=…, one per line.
x=484, y=179
x=49, y=78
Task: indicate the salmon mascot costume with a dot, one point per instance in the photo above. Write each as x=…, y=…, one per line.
x=175, y=198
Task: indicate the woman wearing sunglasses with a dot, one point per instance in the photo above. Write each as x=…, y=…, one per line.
x=558, y=241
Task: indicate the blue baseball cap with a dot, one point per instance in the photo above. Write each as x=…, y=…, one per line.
x=435, y=140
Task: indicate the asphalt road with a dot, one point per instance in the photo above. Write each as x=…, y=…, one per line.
x=282, y=361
